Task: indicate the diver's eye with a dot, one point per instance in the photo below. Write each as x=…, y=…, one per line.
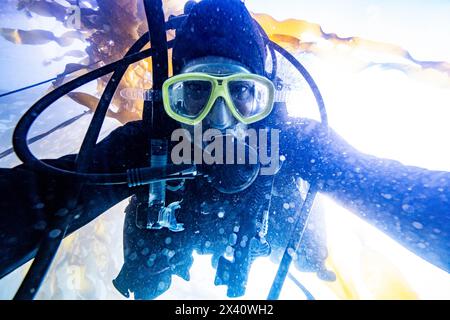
x=241, y=90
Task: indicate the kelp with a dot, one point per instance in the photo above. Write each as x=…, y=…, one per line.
x=109, y=28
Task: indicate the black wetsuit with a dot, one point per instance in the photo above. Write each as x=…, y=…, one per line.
x=410, y=204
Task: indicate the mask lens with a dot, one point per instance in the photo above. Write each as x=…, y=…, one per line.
x=250, y=97
x=189, y=98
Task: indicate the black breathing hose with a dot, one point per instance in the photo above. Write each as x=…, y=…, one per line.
x=57, y=229
x=307, y=76
x=302, y=217
x=301, y=221
x=94, y=128
x=156, y=122
x=20, y=144
x=133, y=177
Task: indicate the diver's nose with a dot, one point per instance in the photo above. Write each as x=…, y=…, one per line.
x=220, y=117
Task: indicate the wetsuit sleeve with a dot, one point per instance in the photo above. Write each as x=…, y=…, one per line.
x=410, y=204
x=29, y=199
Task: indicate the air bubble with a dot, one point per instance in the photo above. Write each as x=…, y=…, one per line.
x=417, y=225
x=54, y=233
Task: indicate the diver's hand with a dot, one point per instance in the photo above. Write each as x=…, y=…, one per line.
x=315, y=152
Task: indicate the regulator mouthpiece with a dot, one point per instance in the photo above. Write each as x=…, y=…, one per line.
x=237, y=171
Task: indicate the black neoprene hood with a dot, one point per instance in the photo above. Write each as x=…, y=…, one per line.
x=221, y=28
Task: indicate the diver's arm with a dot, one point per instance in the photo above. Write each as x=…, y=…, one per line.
x=410, y=204
x=30, y=199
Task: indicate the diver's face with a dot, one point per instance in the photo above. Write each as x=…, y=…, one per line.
x=220, y=117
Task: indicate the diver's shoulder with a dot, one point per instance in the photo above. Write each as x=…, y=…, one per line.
x=132, y=126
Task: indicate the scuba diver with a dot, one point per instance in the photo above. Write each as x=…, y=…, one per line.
x=220, y=83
